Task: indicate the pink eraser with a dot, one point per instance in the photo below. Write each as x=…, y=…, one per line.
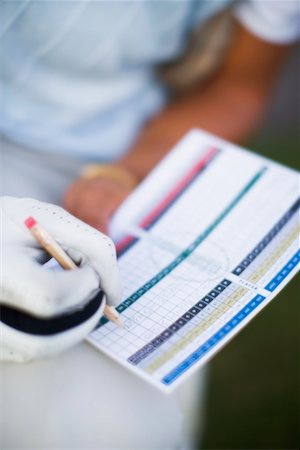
x=30, y=222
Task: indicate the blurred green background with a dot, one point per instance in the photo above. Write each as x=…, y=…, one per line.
x=253, y=387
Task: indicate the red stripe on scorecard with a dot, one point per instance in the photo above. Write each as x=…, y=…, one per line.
x=170, y=196
x=123, y=243
x=178, y=188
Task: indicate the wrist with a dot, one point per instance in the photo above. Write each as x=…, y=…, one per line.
x=113, y=172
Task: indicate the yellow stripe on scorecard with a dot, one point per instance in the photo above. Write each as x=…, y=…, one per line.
x=198, y=330
x=269, y=262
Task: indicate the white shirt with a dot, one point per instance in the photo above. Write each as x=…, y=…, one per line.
x=78, y=77
x=275, y=21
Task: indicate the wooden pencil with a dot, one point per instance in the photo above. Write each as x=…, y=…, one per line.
x=54, y=249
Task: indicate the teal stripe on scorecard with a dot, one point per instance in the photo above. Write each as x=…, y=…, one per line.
x=188, y=251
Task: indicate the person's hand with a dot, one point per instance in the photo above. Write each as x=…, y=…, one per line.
x=44, y=311
x=94, y=201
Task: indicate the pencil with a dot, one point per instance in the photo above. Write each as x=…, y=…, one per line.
x=54, y=249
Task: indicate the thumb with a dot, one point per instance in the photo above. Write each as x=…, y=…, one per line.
x=42, y=292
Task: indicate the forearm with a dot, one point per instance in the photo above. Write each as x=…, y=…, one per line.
x=232, y=112
x=231, y=105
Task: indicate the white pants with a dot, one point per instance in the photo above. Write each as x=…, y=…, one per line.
x=82, y=399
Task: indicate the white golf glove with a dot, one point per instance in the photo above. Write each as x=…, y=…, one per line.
x=44, y=311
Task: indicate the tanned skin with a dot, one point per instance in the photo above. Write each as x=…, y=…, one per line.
x=231, y=105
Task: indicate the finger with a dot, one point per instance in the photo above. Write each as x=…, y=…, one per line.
x=111, y=284
x=71, y=196
x=98, y=249
x=98, y=221
x=26, y=285
x=72, y=233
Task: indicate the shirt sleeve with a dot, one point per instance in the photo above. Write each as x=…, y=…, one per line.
x=276, y=21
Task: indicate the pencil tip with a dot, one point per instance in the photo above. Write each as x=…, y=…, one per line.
x=119, y=322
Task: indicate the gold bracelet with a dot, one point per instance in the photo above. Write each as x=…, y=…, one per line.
x=110, y=172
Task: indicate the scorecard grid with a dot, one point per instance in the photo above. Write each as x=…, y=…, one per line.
x=186, y=293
